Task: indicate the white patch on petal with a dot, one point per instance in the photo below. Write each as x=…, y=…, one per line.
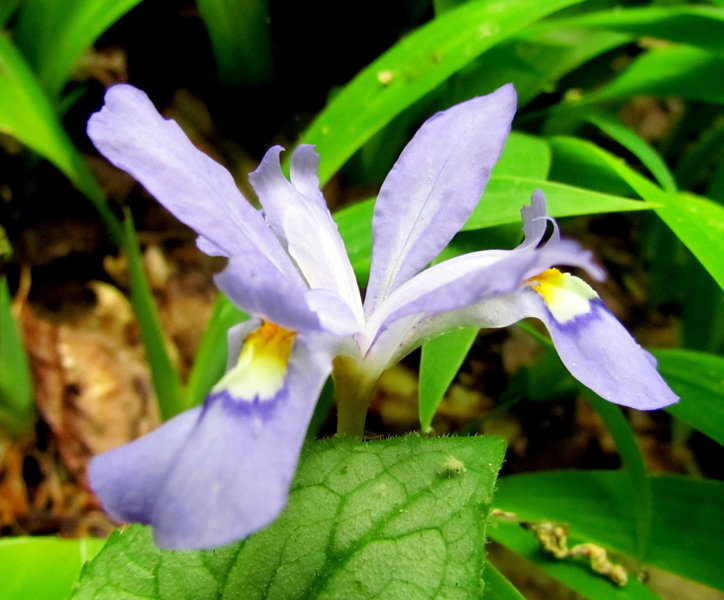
x=260, y=372
x=566, y=296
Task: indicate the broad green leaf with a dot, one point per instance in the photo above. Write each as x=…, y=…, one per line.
x=630, y=140
x=575, y=574
x=686, y=527
x=679, y=71
x=412, y=68
x=240, y=37
x=535, y=60
x=401, y=518
x=17, y=409
x=700, y=26
x=634, y=466
x=43, y=568
x=210, y=362
x=501, y=204
x=697, y=222
x=524, y=156
x=53, y=35
x=7, y=9
x=505, y=196
x=441, y=360
x=27, y=114
x=497, y=587
x=698, y=378
x=166, y=381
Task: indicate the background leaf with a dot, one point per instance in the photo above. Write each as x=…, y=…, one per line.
x=401, y=518
x=596, y=505
x=43, y=568
x=17, y=406
x=412, y=68
x=53, y=35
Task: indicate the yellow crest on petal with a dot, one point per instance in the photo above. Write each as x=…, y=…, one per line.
x=566, y=296
x=262, y=366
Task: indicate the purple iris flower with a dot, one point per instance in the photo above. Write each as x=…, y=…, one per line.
x=221, y=471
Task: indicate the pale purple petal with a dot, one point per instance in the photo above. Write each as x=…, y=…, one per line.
x=131, y=134
x=217, y=474
x=129, y=479
x=601, y=354
x=434, y=186
x=299, y=216
x=464, y=280
x=265, y=293
x=536, y=221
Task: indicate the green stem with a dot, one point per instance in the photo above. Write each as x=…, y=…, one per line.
x=353, y=393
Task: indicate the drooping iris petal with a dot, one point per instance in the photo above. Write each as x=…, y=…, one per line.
x=218, y=473
x=129, y=479
x=131, y=134
x=299, y=216
x=434, y=186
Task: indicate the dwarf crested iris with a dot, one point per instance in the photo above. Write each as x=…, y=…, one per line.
x=221, y=471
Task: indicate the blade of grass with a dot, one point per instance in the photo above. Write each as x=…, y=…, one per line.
x=166, y=381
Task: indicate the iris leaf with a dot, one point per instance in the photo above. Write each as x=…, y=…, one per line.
x=240, y=38
x=497, y=587
x=411, y=69
x=27, y=114
x=596, y=505
x=698, y=377
x=166, y=381
x=17, y=409
x=400, y=518
x=53, y=35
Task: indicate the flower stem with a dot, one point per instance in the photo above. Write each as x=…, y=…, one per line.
x=353, y=392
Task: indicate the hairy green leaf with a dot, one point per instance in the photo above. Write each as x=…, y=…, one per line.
x=402, y=518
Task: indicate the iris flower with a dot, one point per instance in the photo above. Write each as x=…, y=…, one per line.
x=219, y=472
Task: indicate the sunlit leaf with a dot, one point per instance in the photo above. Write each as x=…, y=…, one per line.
x=412, y=68
x=27, y=114
x=43, y=568
x=53, y=35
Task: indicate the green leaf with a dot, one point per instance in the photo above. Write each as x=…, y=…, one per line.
x=440, y=362
x=40, y=568
x=505, y=196
x=524, y=156
x=679, y=71
x=402, y=518
x=27, y=114
x=7, y=9
x=53, y=35
x=698, y=378
x=240, y=37
x=500, y=205
x=699, y=26
x=686, y=525
x=210, y=362
x=166, y=381
x=575, y=574
x=497, y=587
x=636, y=145
x=17, y=409
x=412, y=68
x=697, y=222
